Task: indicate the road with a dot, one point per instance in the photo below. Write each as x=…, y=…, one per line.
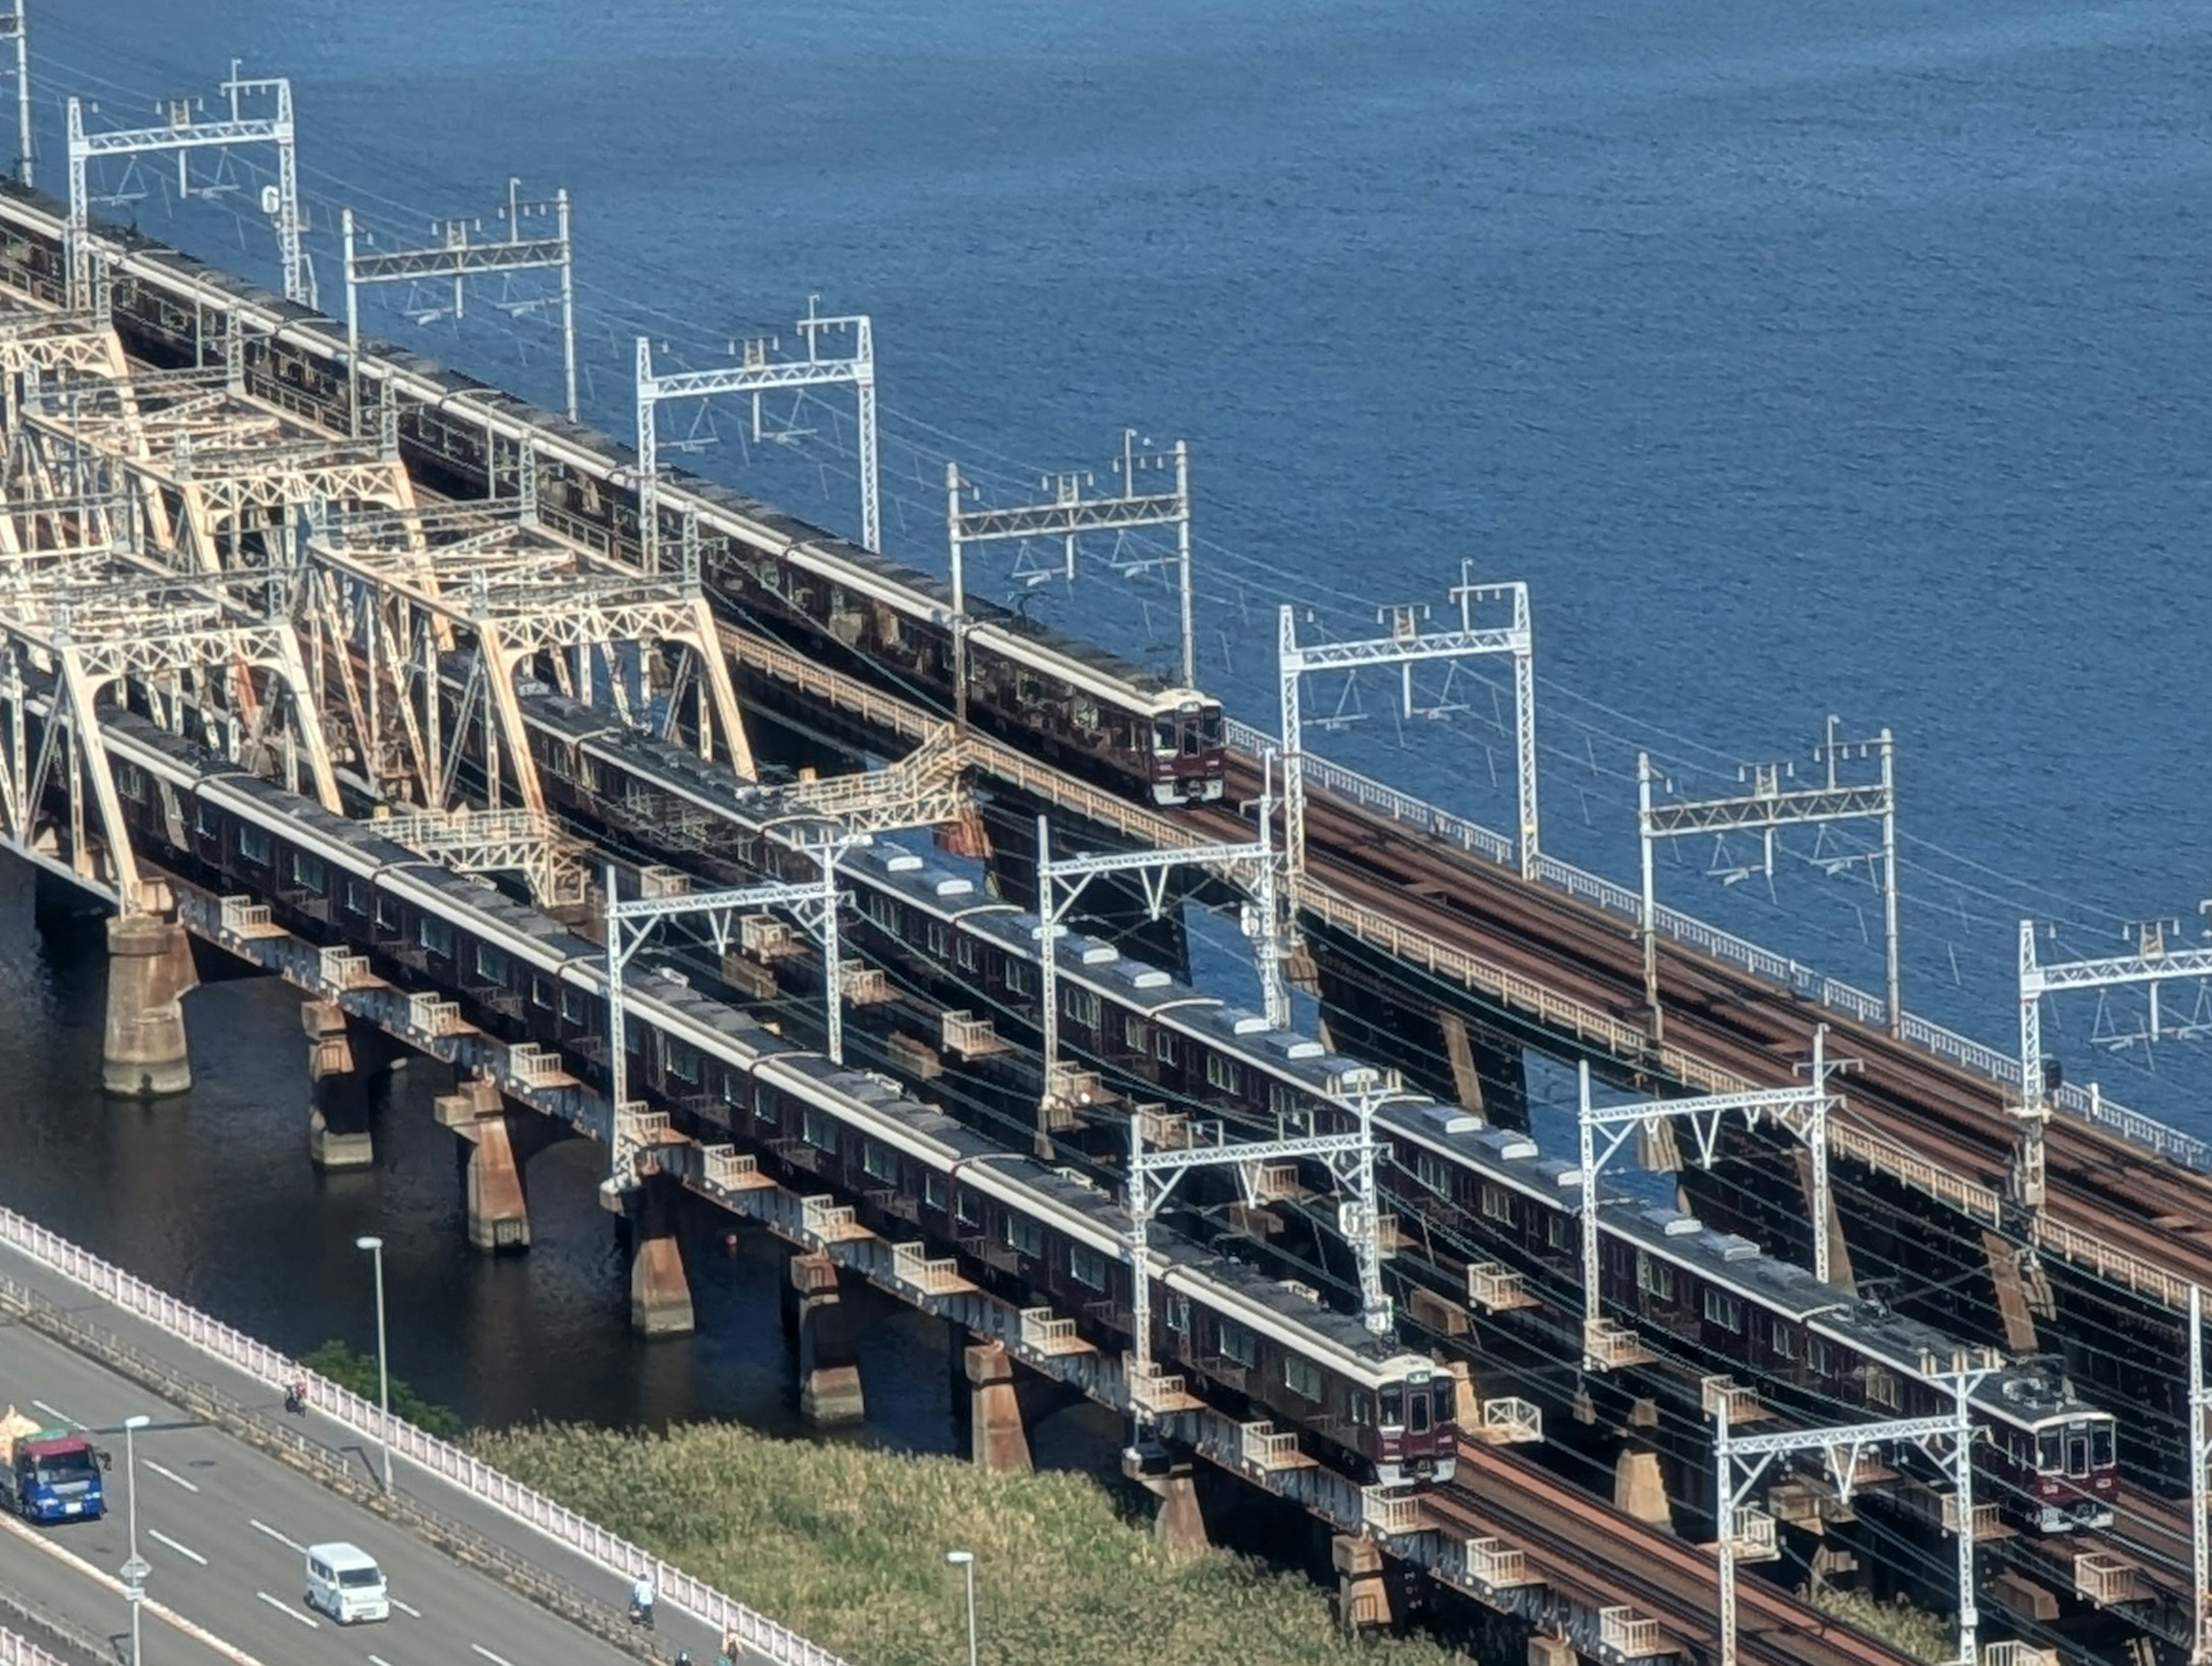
x=223, y=1524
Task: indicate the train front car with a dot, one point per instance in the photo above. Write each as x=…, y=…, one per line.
x=2055, y=1456
x=1187, y=757
x=1416, y=1435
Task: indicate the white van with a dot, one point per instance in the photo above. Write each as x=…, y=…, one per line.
x=346, y=1583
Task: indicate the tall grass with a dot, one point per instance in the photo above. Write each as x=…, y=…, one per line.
x=847, y=1546
x=1902, y=1624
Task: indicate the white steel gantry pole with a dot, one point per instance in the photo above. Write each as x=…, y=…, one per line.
x=1070, y=513
x=1737, y=1524
x=1766, y=808
x=181, y=135
x=1802, y=1111
x=2200, y=1456
x=760, y=372
x=1406, y=646
x=15, y=28
x=456, y=258
x=2151, y=964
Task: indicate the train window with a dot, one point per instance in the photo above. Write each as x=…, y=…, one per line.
x=1086, y=1266
x=818, y=1130
x=1238, y=1344
x=1133, y=1032
x=1432, y=1170
x=1023, y=1236
x=387, y=913
x=1724, y=1310
x=1820, y=1357
x=2101, y=1440
x=766, y=1111
x=541, y=994
x=205, y=823
x=1083, y=1007
x=2047, y=1454
x=572, y=1007
x=1880, y=1388
x=1784, y=1341
x=967, y=1211
x=1559, y=1232
x=1302, y=1378
x=435, y=935
x=131, y=781
x=1497, y=1204
x=1019, y=976
x=356, y=897
x=1221, y=1073
x=491, y=964
x=1359, y=1410
x=878, y=1161
x=1393, y=1408
x=1178, y=1313
x=1164, y=738
x=1653, y=1277
x=963, y=953
x=1417, y=1413
x=932, y=1192
x=253, y=843
x=1163, y=1047
x=940, y=940
x=680, y=1060
x=307, y=871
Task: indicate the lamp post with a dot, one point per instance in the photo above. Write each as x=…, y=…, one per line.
x=965, y=1561
x=375, y=1248
x=136, y=1570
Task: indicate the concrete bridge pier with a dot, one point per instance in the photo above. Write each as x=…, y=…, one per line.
x=1179, y=1523
x=828, y=1366
x=998, y=1438
x=149, y=969
x=1640, y=1483
x=344, y=1063
x=1362, y=1595
x=660, y=1293
x=491, y=1180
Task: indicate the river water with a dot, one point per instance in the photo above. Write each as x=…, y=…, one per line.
x=1850, y=357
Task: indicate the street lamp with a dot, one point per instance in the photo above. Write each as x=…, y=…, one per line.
x=136, y=1570
x=965, y=1561
x=375, y=1248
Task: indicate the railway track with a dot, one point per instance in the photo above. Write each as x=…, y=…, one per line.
x=2098, y=1183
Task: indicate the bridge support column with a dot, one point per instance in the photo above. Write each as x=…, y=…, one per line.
x=498, y=1215
x=149, y=967
x=1363, y=1595
x=2018, y=1283
x=337, y=1119
x=829, y=1374
x=1179, y=1523
x=1639, y=1487
x=998, y=1440
x=660, y=1293
x=1550, y=1649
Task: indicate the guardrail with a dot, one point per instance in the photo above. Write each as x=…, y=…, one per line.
x=22, y=1651
x=449, y=1462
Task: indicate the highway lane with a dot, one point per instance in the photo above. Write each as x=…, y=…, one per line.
x=223, y=1527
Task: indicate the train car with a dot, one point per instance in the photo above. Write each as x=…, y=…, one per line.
x=1361, y=1402
x=1069, y=702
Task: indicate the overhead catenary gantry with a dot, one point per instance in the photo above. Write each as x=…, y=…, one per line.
x=1766, y=808
x=759, y=372
x=182, y=132
x=389, y=596
x=1067, y=515
x=457, y=258
x=1603, y=1129
x=1407, y=645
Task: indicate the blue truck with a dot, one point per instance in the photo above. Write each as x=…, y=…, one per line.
x=49, y=1474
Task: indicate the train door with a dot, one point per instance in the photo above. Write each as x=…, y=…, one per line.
x=2077, y=1453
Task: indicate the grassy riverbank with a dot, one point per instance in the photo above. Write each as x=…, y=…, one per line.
x=846, y=1545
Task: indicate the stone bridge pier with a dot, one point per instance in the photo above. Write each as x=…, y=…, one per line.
x=145, y=1054
x=660, y=1291
x=349, y=1069
x=822, y=1329
x=493, y=1142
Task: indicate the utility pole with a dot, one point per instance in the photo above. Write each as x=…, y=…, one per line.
x=455, y=257
x=1067, y=514
x=1407, y=645
x=15, y=28
x=1767, y=807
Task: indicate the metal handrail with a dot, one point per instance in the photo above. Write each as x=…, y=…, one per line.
x=471, y=1474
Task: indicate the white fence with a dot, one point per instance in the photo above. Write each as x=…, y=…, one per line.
x=503, y=1493
x=22, y=1651
x=1831, y=993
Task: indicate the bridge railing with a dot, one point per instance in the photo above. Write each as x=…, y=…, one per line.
x=1763, y=962
x=472, y=1475
x=15, y=1651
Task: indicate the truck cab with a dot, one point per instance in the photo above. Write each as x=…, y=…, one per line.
x=49, y=1475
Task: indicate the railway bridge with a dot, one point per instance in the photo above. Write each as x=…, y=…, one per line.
x=351, y=671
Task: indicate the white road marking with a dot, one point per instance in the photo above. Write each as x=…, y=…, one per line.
x=264, y=1527
x=411, y=1612
x=489, y=1655
x=181, y=1550
x=170, y=1474
x=108, y=1582
x=378, y=1660
x=282, y=1607
x=56, y=1411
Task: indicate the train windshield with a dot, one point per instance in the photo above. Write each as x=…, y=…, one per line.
x=2100, y=1450
x=1164, y=738
x=1393, y=1408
